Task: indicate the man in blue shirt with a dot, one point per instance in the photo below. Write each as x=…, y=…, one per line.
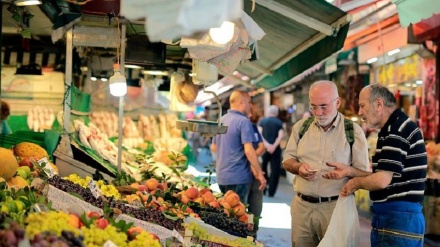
x=235, y=151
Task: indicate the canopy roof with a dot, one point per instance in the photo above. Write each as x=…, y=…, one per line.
x=299, y=34
x=413, y=11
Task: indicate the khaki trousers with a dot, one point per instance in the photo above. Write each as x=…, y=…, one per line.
x=309, y=221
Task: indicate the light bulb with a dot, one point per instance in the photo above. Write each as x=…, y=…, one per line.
x=118, y=83
x=223, y=34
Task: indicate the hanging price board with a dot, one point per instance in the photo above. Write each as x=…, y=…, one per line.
x=94, y=188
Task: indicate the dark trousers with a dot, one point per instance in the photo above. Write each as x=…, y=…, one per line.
x=275, y=167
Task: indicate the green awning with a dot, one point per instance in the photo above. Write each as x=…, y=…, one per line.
x=299, y=35
x=413, y=11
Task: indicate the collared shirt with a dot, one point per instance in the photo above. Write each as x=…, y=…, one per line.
x=401, y=149
x=232, y=165
x=317, y=147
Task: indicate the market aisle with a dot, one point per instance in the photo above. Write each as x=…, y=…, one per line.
x=275, y=222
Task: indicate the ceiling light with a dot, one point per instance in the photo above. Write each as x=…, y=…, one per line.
x=395, y=51
x=118, y=82
x=154, y=72
x=223, y=34
x=354, y=119
x=132, y=66
x=104, y=79
x=93, y=78
x=419, y=82
x=372, y=60
x=27, y=2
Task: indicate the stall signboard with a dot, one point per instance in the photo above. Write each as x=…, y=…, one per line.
x=403, y=70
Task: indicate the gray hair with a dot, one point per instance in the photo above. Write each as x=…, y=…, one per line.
x=378, y=91
x=273, y=111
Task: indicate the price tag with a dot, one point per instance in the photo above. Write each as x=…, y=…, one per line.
x=109, y=243
x=94, y=188
x=178, y=236
x=50, y=172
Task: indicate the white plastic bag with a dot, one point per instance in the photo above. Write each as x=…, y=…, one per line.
x=343, y=230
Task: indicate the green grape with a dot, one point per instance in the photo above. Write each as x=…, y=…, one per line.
x=144, y=239
x=54, y=222
x=95, y=236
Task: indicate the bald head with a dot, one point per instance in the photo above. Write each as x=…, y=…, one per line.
x=327, y=88
x=240, y=101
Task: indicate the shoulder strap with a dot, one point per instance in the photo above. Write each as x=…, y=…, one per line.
x=305, y=127
x=349, y=132
x=348, y=125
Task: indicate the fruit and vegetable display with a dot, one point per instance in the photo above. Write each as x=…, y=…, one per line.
x=40, y=208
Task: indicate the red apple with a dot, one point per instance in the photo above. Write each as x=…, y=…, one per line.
x=93, y=214
x=102, y=223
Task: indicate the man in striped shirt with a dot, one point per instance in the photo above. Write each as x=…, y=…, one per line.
x=397, y=183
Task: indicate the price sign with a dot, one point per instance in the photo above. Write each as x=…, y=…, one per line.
x=94, y=188
x=178, y=236
x=47, y=168
x=109, y=243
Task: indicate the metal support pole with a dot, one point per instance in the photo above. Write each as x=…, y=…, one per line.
x=68, y=80
x=121, y=99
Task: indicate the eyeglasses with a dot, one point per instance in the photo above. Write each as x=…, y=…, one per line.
x=322, y=107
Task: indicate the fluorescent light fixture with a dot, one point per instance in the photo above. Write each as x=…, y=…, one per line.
x=392, y=52
x=419, y=82
x=354, y=119
x=414, y=85
x=407, y=84
x=93, y=78
x=223, y=34
x=132, y=66
x=372, y=60
x=154, y=72
x=104, y=79
x=27, y=2
x=118, y=82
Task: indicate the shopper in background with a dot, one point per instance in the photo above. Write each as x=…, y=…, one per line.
x=5, y=112
x=255, y=198
x=235, y=152
x=271, y=128
x=397, y=183
x=324, y=141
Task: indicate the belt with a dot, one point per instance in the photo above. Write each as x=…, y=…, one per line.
x=313, y=199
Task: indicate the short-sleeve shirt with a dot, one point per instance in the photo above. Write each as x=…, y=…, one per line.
x=317, y=147
x=232, y=165
x=401, y=149
x=271, y=126
x=257, y=135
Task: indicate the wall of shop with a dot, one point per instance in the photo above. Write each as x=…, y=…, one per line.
x=24, y=92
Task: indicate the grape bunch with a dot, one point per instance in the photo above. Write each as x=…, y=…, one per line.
x=14, y=235
x=230, y=225
x=68, y=186
x=95, y=236
x=53, y=222
x=146, y=214
x=149, y=214
x=48, y=239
